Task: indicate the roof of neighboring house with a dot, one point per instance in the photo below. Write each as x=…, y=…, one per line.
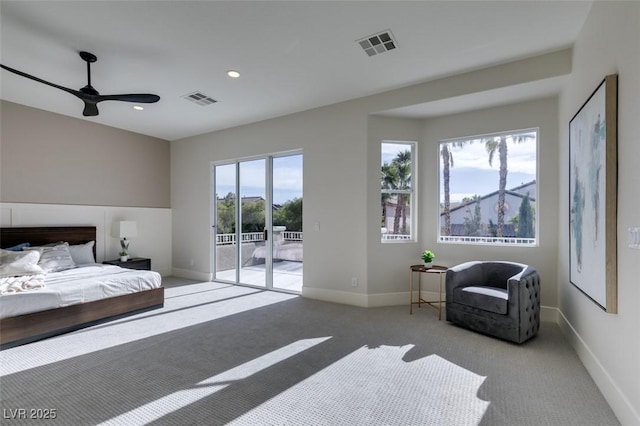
x=250, y=199
x=522, y=186
x=508, y=191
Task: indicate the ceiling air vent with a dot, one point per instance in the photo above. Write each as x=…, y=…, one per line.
x=378, y=43
x=199, y=98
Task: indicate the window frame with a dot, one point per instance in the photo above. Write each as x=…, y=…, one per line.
x=496, y=241
x=412, y=237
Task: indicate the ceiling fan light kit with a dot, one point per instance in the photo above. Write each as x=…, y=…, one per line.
x=88, y=94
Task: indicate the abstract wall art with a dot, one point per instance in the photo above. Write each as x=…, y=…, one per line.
x=593, y=196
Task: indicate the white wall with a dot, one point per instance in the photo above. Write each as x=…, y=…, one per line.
x=341, y=147
x=608, y=344
x=333, y=144
x=388, y=263
x=154, y=227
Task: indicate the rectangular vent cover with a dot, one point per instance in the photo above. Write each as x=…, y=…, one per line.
x=378, y=43
x=199, y=98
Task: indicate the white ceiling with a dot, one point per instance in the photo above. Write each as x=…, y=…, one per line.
x=292, y=55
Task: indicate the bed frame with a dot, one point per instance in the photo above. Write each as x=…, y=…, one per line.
x=16, y=331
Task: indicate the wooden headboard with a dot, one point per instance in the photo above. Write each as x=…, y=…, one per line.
x=41, y=235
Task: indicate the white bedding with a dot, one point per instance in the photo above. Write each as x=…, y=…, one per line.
x=79, y=285
x=10, y=285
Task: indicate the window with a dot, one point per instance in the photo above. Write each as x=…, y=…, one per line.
x=397, y=220
x=488, y=189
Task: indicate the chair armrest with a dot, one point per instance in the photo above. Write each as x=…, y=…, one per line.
x=526, y=282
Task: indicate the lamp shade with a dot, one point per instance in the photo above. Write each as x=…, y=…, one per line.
x=126, y=229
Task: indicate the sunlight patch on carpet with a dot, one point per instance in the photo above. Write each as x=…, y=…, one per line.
x=376, y=386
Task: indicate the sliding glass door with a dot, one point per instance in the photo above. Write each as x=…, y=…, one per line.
x=255, y=244
x=286, y=216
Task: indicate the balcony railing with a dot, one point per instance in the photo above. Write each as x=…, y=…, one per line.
x=487, y=240
x=292, y=235
x=394, y=237
x=251, y=237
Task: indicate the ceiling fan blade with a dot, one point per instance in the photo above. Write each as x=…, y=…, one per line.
x=39, y=80
x=144, y=98
x=88, y=94
x=90, y=109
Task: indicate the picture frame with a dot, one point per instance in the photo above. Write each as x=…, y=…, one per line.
x=593, y=196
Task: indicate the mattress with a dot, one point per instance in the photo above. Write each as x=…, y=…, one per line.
x=79, y=285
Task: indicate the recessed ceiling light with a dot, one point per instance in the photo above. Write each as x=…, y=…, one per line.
x=233, y=74
x=138, y=107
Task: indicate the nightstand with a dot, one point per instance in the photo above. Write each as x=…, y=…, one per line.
x=133, y=263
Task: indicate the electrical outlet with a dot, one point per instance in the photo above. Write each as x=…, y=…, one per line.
x=354, y=282
x=633, y=237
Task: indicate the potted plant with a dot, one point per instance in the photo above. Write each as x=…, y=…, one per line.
x=427, y=258
x=124, y=256
x=124, y=252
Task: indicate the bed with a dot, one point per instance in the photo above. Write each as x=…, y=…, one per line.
x=84, y=304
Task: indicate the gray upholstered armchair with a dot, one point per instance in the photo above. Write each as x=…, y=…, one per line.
x=501, y=299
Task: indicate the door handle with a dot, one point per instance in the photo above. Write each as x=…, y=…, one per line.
x=265, y=234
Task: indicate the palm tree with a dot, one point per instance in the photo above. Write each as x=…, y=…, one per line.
x=387, y=182
x=447, y=163
x=397, y=176
x=500, y=145
x=402, y=163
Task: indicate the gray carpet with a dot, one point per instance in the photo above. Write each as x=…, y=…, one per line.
x=218, y=354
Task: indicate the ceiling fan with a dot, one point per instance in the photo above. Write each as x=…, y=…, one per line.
x=88, y=94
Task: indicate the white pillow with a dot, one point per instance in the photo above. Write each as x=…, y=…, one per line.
x=54, y=258
x=82, y=253
x=18, y=263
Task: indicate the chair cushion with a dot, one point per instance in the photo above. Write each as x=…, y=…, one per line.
x=490, y=299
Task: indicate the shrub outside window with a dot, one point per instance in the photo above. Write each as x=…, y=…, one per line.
x=398, y=199
x=488, y=189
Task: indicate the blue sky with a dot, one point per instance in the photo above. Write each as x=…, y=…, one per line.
x=472, y=174
x=287, y=178
x=390, y=150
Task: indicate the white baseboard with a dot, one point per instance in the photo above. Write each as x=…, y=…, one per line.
x=335, y=296
x=192, y=275
x=363, y=300
x=547, y=313
x=388, y=299
x=617, y=400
